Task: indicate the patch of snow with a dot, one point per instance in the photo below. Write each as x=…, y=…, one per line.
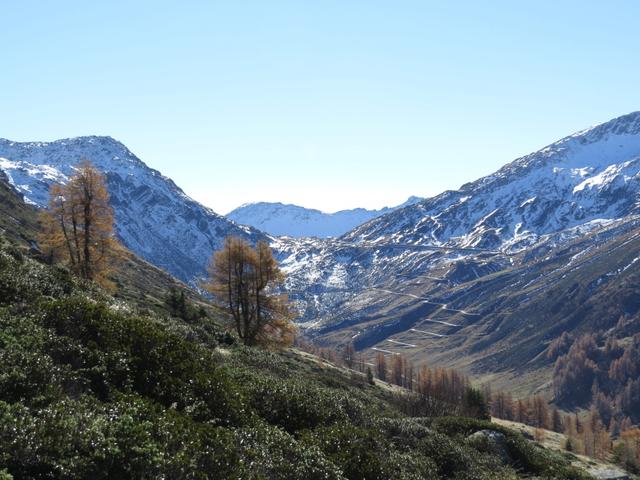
x=528, y=201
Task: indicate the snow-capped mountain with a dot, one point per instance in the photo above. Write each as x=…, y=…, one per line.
x=154, y=218
x=583, y=179
x=486, y=276
x=591, y=175
x=294, y=221
x=579, y=184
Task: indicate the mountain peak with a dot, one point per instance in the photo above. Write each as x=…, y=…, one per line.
x=153, y=216
x=289, y=220
x=591, y=175
x=98, y=149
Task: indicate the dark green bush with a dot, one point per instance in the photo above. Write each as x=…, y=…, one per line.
x=296, y=405
x=270, y=453
x=138, y=355
x=527, y=456
x=365, y=453
x=23, y=281
x=130, y=438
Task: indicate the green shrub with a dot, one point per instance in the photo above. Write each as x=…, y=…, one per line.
x=527, y=456
x=130, y=438
x=268, y=452
x=364, y=453
x=138, y=355
x=294, y=406
x=21, y=281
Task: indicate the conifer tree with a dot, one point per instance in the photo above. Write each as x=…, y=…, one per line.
x=245, y=281
x=381, y=366
x=370, y=380
x=521, y=412
x=349, y=355
x=474, y=404
x=540, y=412
x=627, y=450
x=77, y=229
x=397, y=370
x=626, y=424
x=556, y=421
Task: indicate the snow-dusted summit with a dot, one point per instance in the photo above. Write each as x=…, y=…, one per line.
x=591, y=175
x=154, y=218
x=294, y=221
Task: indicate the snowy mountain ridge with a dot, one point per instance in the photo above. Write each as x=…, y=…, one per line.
x=580, y=184
x=590, y=175
x=153, y=217
x=289, y=220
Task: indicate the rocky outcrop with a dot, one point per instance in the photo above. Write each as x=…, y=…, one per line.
x=492, y=442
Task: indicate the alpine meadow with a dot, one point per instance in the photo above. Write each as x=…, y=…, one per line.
x=356, y=241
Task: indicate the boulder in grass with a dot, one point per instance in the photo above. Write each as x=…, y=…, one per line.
x=492, y=442
x=608, y=473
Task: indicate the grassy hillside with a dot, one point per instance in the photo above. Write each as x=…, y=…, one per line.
x=557, y=441
x=96, y=387
x=18, y=221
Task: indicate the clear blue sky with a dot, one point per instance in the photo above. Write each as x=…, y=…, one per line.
x=329, y=104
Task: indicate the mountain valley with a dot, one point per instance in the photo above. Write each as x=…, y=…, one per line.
x=483, y=278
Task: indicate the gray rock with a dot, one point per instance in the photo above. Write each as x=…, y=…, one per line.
x=491, y=441
x=608, y=473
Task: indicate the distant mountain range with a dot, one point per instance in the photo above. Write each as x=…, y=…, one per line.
x=294, y=221
x=484, y=277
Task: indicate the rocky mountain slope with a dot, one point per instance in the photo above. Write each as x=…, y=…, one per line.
x=495, y=316
x=587, y=176
x=294, y=221
x=171, y=367
x=18, y=221
x=575, y=185
x=135, y=280
x=154, y=217
x=487, y=276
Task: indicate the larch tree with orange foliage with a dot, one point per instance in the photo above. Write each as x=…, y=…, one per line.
x=77, y=229
x=397, y=370
x=627, y=449
x=246, y=282
x=349, y=355
x=381, y=367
